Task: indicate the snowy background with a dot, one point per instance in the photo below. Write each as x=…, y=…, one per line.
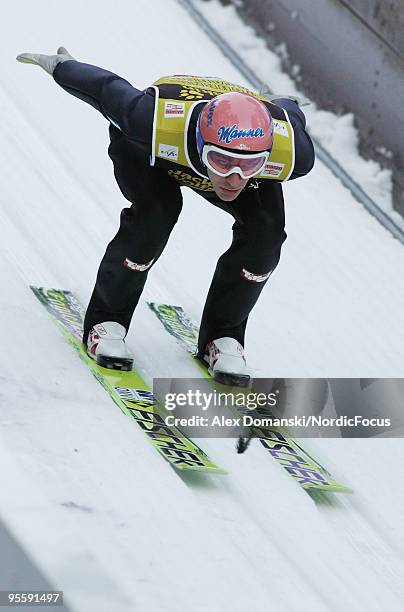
x=93, y=505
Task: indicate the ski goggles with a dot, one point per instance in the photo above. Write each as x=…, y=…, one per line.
x=224, y=163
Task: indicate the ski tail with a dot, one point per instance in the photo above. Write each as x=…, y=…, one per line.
x=127, y=389
x=288, y=453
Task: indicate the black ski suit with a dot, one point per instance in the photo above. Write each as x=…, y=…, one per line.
x=156, y=202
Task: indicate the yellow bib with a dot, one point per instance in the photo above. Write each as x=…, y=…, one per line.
x=175, y=100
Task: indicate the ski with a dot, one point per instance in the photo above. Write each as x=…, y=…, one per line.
x=127, y=389
x=301, y=466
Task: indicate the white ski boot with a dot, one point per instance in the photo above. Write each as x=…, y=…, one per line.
x=227, y=364
x=106, y=345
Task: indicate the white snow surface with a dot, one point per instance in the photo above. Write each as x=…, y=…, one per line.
x=95, y=507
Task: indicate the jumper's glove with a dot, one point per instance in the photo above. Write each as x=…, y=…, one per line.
x=265, y=92
x=47, y=62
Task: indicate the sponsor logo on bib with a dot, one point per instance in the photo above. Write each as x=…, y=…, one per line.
x=272, y=169
x=174, y=109
x=168, y=151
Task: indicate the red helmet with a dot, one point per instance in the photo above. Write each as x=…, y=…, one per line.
x=236, y=121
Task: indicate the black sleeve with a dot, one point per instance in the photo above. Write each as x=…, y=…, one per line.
x=126, y=107
x=304, y=150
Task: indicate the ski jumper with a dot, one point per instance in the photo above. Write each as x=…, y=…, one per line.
x=154, y=153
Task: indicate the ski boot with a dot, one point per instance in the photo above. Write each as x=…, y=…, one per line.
x=227, y=364
x=106, y=345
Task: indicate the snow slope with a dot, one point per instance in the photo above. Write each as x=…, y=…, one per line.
x=96, y=509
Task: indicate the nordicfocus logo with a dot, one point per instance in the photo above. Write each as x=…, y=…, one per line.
x=254, y=278
x=174, y=109
x=136, y=267
x=272, y=169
